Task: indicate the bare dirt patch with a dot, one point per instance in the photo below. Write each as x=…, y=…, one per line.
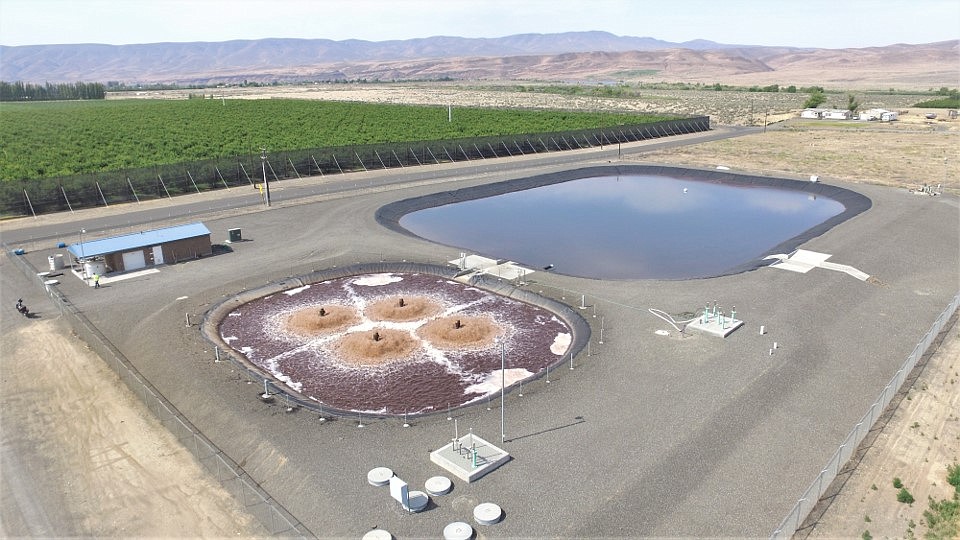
x=868, y=153
x=917, y=445
x=122, y=472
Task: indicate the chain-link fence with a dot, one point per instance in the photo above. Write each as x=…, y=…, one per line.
x=791, y=524
x=273, y=516
x=69, y=193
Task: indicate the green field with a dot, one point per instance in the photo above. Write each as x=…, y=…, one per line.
x=43, y=140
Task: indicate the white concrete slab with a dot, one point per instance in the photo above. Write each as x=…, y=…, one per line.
x=128, y=275
x=809, y=257
x=458, y=458
x=715, y=326
x=506, y=270
x=802, y=261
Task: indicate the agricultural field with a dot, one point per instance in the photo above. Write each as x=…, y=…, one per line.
x=728, y=107
x=42, y=140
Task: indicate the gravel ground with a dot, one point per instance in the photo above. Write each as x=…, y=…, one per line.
x=649, y=436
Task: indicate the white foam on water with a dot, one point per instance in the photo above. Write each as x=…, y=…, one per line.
x=228, y=339
x=378, y=411
x=291, y=292
x=246, y=351
x=560, y=344
x=376, y=280
x=461, y=307
x=234, y=314
x=491, y=381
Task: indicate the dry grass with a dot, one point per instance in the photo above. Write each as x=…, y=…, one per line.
x=894, y=156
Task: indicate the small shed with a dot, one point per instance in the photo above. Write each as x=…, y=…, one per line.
x=147, y=248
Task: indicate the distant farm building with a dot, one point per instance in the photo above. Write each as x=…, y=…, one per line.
x=838, y=114
x=827, y=114
x=812, y=113
x=882, y=115
x=145, y=248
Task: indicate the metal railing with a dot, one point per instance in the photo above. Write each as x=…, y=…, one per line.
x=793, y=521
x=254, y=499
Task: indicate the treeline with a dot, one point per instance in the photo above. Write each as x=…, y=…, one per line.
x=21, y=91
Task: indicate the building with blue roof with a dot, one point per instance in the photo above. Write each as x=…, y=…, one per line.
x=145, y=248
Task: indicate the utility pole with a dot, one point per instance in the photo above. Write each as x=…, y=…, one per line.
x=263, y=165
x=503, y=396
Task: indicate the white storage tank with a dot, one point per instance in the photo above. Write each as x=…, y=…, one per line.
x=94, y=267
x=56, y=262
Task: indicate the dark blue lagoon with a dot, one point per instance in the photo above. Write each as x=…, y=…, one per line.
x=629, y=226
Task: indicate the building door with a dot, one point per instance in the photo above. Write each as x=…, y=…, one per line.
x=157, y=255
x=134, y=260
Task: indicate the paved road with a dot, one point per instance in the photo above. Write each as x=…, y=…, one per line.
x=649, y=436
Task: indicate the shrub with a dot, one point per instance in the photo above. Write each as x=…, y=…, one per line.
x=953, y=476
x=815, y=100
x=897, y=483
x=904, y=496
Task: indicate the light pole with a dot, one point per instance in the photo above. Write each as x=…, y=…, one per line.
x=503, y=399
x=263, y=164
x=83, y=269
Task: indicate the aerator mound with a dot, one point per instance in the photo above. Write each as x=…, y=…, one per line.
x=394, y=343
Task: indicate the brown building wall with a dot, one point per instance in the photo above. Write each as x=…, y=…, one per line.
x=114, y=262
x=173, y=252
x=182, y=250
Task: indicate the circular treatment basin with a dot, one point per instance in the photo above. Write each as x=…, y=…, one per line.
x=394, y=344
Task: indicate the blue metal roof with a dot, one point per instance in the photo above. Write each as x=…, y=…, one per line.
x=126, y=242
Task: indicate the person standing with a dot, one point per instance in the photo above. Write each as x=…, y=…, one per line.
x=96, y=281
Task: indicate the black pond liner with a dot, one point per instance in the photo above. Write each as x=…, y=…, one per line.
x=854, y=203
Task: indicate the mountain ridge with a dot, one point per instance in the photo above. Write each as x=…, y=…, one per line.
x=594, y=55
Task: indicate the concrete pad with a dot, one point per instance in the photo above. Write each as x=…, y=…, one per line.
x=713, y=326
x=128, y=275
x=503, y=270
x=457, y=457
x=812, y=258
x=802, y=261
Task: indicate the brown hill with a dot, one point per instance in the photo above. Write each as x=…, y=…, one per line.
x=594, y=57
x=900, y=66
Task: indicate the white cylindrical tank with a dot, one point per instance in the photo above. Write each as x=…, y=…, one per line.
x=94, y=267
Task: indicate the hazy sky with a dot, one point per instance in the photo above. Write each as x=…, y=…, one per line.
x=802, y=23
